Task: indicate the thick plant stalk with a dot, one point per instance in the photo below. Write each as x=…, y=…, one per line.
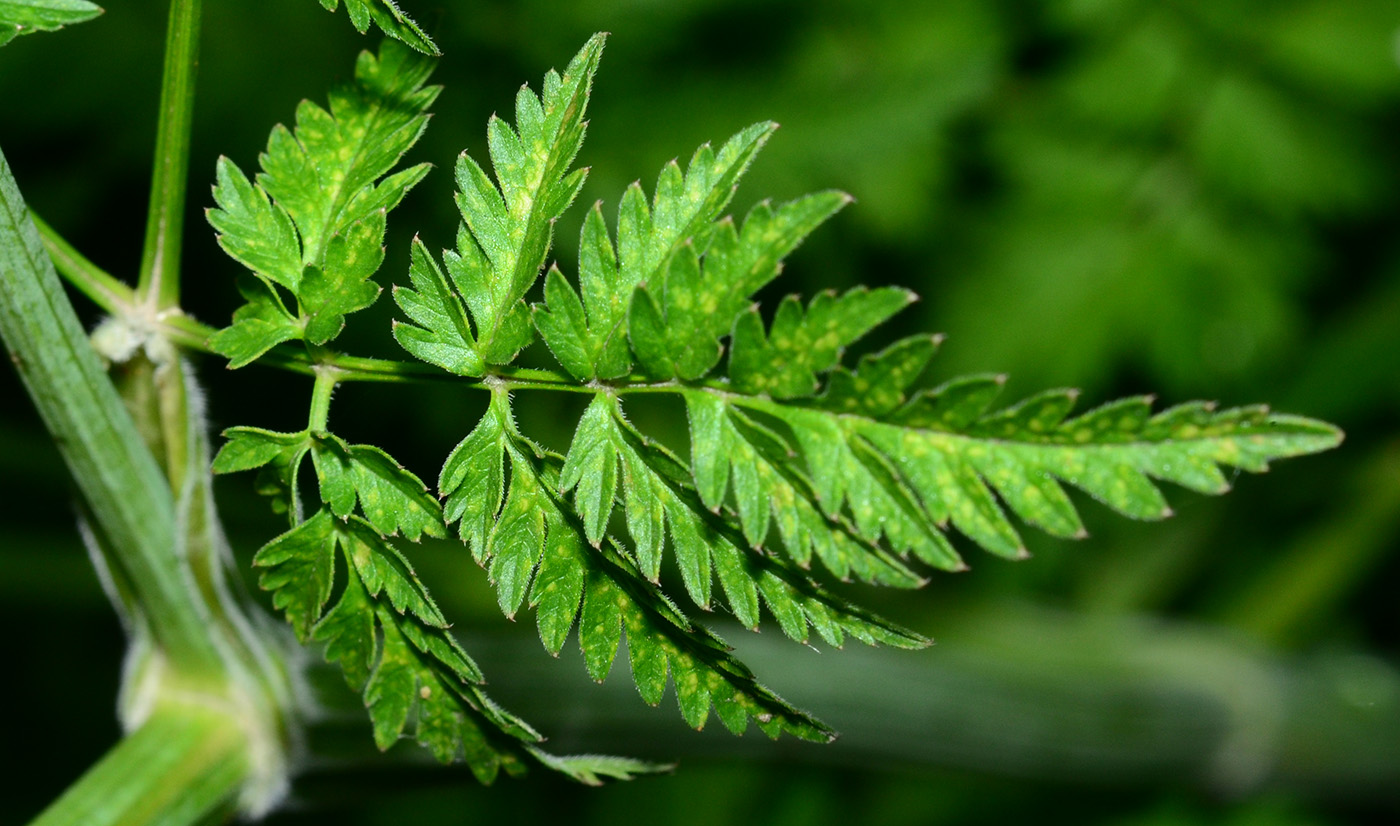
x=120, y=481
x=200, y=673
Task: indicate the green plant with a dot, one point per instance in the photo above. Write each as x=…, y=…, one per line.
x=791, y=455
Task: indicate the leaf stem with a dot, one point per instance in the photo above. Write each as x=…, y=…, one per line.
x=326, y=379
x=159, y=284
x=117, y=298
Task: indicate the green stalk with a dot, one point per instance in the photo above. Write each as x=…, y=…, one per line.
x=129, y=497
x=155, y=533
x=159, y=284
x=326, y=380
x=184, y=765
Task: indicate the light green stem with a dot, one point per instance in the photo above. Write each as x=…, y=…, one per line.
x=160, y=257
x=326, y=380
x=184, y=765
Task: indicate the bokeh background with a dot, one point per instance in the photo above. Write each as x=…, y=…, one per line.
x=1196, y=198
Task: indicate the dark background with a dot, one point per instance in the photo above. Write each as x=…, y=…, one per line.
x=1194, y=198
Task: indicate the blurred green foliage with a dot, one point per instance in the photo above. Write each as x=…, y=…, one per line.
x=1197, y=198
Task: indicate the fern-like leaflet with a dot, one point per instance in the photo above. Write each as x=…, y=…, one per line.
x=793, y=454
x=310, y=228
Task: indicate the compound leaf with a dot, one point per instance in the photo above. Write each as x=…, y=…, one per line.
x=728, y=442
x=312, y=224
x=704, y=541
x=572, y=580
x=390, y=640
x=908, y=464
x=793, y=455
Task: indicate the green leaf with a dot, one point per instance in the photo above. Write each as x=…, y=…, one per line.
x=507, y=229
x=590, y=769
x=473, y=481
x=453, y=720
x=390, y=692
x=387, y=635
x=591, y=469
x=19, y=17
x=392, y=499
x=729, y=443
x=248, y=448
x=786, y=361
x=390, y=20
x=882, y=381
x=253, y=230
x=441, y=332
x=589, y=337
x=383, y=570
x=313, y=222
x=662, y=642
x=563, y=324
x=348, y=633
x=299, y=568
x=517, y=539
x=663, y=500
x=908, y=464
x=278, y=454
x=342, y=285
x=258, y=326
x=676, y=323
x=570, y=580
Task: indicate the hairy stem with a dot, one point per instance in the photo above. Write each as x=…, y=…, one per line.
x=159, y=285
x=155, y=534
x=326, y=379
x=120, y=480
